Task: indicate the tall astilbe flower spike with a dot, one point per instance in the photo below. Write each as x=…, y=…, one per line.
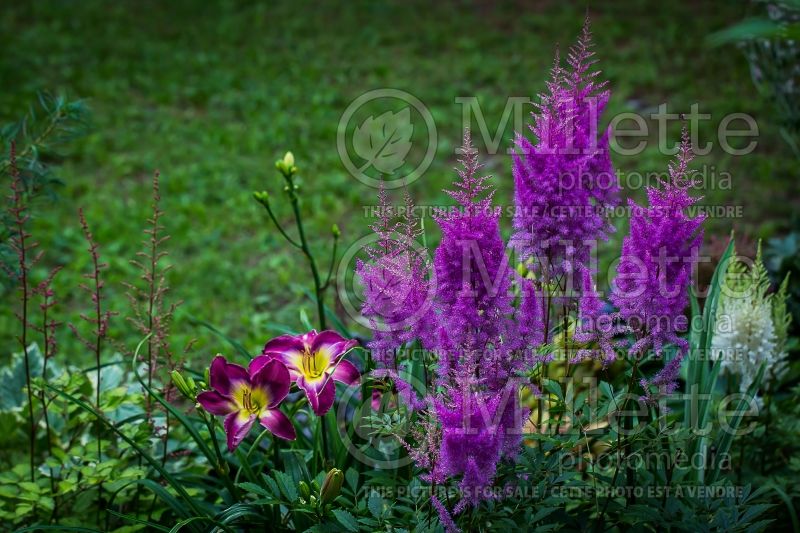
x=397, y=297
x=152, y=313
x=22, y=245
x=473, y=279
x=654, y=273
x=565, y=182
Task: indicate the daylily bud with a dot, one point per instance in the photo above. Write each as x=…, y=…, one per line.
x=335, y=230
x=286, y=165
x=182, y=386
x=331, y=486
x=305, y=492
x=261, y=197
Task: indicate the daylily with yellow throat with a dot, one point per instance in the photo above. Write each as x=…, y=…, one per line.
x=315, y=361
x=244, y=395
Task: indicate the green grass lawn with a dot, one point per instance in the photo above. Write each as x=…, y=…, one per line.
x=212, y=93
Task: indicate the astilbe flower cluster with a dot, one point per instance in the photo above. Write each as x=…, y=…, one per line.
x=751, y=325
x=395, y=281
x=473, y=420
x=655, y=270
x=473, y=282
x=488, y=324
x=565, y=181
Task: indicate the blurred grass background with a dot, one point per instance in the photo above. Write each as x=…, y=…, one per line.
x=212, y=93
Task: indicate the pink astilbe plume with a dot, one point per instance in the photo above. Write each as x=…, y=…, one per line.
x=473, y=278
x=565, y=182
x=654, y=274
x=397, y=297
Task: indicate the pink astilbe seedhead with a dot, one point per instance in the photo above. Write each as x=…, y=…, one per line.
x=565, y=182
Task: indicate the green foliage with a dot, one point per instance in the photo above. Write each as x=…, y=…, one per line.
x=163, y=465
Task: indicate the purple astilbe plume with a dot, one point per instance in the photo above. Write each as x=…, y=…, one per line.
x=530, y=318
x=397, y=296
x=654, y=274
x=478, y=430
x=444, y=516
x=473, y=277
x=565, y=182
x=596, y=326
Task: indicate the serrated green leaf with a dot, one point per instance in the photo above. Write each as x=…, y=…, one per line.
x=346, y=519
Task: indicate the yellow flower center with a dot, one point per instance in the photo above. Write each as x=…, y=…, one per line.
x=251, y=401
x=315, y=364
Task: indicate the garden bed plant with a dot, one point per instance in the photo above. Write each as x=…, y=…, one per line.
x=498, y=386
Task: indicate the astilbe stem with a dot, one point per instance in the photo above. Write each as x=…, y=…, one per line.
x=99, y=323
x=48, y=331
x=152, y=314
x=23, y=247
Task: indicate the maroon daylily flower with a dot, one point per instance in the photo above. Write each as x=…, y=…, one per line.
x=314, y=361
x=242, y=397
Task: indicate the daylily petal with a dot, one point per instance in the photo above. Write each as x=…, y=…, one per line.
x=346, y=372
x=292, y=360
x=273, y=378
x=237, y=426
x=331, y=342
x=320, y=393
x=224, y=375
x=278, y=423
x=284, y=344
x=215, y=403
x=257, y=362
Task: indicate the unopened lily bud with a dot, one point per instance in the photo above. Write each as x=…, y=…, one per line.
x=331, y=486
x=261, y=197
x=286, y=165
x=335, y=230
x=181, y=384
x=305, y=492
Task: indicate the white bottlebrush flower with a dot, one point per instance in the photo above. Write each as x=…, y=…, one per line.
x=750, y=326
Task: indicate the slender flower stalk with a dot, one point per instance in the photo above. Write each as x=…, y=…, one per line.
x=99, y=322
x=288, y=170
x=21, y=244
x=47, y=328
